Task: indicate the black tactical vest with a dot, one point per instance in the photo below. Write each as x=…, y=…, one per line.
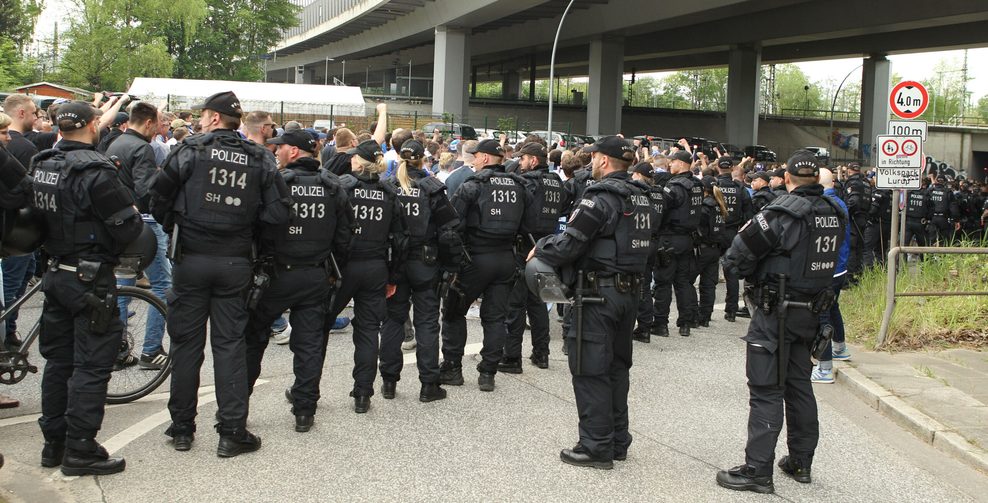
x=762, y=198
x=223, y=192
x=940, y=200
x=500, y=207
x=732, y=191
x=71, y=229
x=712, y=224
x=810, y=266
x=417, y=208
x=916, y=205
x=629, y=247
x=308, y=239
x=685, y=218
x=548, y=200
x=373, y=207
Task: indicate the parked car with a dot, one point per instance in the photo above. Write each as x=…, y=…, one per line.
x=760, y=153
x=558, y=140
x=821, y=153
x=736, y=152
x=454, y=130
x=323, y=124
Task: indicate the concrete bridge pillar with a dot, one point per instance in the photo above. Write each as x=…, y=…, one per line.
x=604, y=93
x=743, y=83
x=874, y=103
x=449, y=74
x=511, y=85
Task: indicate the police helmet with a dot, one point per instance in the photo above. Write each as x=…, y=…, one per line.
x=24, y=233
x=138, y=254
x=544, y=281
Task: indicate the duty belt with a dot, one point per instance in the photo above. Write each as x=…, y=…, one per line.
x=292, y=267
x=620, y=281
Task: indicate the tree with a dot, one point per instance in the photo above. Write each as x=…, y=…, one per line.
x=947, y=91
x=18, y=20
x=15, y=70
x=982, y=108
x=704, y=89
x=796, y=94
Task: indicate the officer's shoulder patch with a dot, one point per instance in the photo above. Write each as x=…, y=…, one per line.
x=430, y=185
x=589, y=203
x=348, y=181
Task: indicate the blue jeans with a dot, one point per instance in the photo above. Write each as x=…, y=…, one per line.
x=16, y=271
x=834, y=318
x=159, y=274
x=280, y=324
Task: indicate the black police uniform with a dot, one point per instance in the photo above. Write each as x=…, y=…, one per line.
x=879, y=232
x=712, y=239
x=798, y=236
x=676, y=265
x=377, y=253
x=212, y=194
x=434, y=247
x=134, y=157
x=608, y=238
x=297, y=261
x=91, y=217
x=761, y=198
x=492, y=207
x=943, y=213
x=739, y=211
x=646, y=308
x=15, y=188
x=917, y=216
x=548, y=205
x=575, y=186
x=857, y=191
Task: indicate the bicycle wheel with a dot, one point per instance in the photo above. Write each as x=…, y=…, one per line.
x=139, y=309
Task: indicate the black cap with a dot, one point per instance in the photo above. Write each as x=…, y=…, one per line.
x=121, y=118
x=225, y=103
x=760, y=175
x=367, y=150
x=614, y=146
x=644, y=168
x=803, y=163
x=854, y=166
x=681, y=155
x=533, y=148
x=708, y=182
x=725, y=162
x=300, y=139
x=74, y=115
x=491, y=147
x=412, y=149
x=778, y=173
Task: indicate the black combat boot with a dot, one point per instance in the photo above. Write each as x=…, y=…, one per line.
x=797, y=469
x=236, y=443
x=744, y=478
x=431, y=392
x=509, y=365
x=388, y=389
x=87, y=457
x=52, y=453
x=451, y=374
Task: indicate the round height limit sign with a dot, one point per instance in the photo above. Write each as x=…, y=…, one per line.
x=908, y=99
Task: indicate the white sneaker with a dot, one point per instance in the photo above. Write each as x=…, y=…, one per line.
x=282, y=337
x=822, y=376
x=407, y=345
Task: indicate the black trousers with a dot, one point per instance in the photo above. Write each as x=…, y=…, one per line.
x=708, y=265
x=677, y=275
x=646, y=310
x=876, y=243
x=365, y=282
x=601, y=389
x=79, y=361
x=520, y=302
x=207, y=288
x=417, y=290
x=768, y=401
x=854, y=260
x=304, y=290
x=731, y=281
x=943, y=232
x=491, y=275
x=915, y=229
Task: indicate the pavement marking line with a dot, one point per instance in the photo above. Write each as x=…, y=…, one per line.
x=156, y=397
x=120, y=440
x=468, y=350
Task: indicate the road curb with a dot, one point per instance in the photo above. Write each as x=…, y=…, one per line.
x=923, y=426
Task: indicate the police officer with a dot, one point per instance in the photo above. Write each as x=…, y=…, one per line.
x=857, y=192
x=377, y=253
x=790, y=252
x=917, y=215
x=214, y=190
x=879, y=230
x=608, y=240
x=712, y=238
x=434, y=248
x=763, y=194
x=777, y=182
x=944, y=213
x=653, y=184
x=296, y=259
x=492, y=206
x=676, y=264
x=739, y=211
x=548, y=205
x=91, y=217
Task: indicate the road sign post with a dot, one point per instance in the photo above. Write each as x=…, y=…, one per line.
x=909, y=99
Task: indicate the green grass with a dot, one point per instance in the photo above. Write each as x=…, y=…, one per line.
x=936, y=322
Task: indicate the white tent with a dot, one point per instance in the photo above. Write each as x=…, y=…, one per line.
x=182, y=94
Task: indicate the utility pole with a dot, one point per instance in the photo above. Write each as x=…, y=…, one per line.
x=964, y=90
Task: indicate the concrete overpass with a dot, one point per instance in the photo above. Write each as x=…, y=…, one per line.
x=394, y=44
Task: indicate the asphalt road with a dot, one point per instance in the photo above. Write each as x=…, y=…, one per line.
x=688, y=416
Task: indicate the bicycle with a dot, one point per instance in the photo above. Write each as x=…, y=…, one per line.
x=127, y=383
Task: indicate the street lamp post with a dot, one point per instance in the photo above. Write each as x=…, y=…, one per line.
x=552, y=66
x=326, y=80
x=833, y=104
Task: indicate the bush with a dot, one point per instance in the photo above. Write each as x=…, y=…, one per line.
x=935, y=322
